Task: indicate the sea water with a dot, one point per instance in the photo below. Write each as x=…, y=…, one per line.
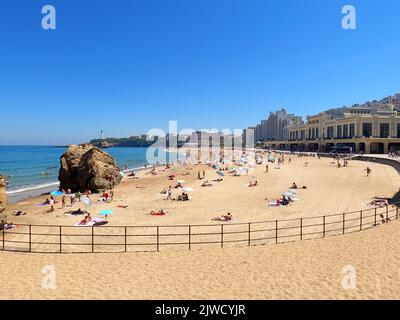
x=36, y=167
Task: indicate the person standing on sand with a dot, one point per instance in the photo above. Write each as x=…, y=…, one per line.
x=169, y=193
x=266, y=168
x=198, y=176
x=51, y=203
x=204, y=174
x=63, y=202
x=368, y=171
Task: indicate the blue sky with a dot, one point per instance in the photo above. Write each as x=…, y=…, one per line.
x=127, y=66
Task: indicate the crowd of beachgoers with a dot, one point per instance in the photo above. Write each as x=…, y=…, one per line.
x=211, y=168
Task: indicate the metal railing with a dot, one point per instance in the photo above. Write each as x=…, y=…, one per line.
x=70, y=239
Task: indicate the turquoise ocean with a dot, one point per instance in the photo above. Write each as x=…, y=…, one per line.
x=35, y=167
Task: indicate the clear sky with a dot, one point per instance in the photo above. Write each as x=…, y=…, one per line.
x=127, y=66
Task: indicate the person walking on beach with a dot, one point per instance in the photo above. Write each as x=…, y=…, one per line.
x=204, y=174
x=169, y=193
x=63, y=202
x=266, y=168
x=72, y=199
x=368, y=171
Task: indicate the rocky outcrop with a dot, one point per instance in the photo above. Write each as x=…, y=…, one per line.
x=3, y=195
x=86, y=167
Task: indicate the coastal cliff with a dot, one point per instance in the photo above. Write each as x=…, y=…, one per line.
x=3, y=195
x=86, y=167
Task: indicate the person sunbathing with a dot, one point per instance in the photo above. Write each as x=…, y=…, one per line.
x=294, y=186
x=158, y=213
x=183, y=197
x=251, y=184
x=224, y=217
x=178, y=185
x=163, y=191
x=218, y=180
x=206, y=184
x=19, y=213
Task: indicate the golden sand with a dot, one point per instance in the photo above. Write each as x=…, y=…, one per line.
x=301, y=270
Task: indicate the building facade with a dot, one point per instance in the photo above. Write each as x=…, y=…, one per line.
x=366, y=128
x=276, y=126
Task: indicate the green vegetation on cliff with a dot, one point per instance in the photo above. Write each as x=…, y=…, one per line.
x=123, y=142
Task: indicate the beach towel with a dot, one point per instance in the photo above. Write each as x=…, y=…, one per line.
x=157, y=214
x=122, y=207
x=90, y=223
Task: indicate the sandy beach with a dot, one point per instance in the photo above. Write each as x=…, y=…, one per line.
x=301, y=270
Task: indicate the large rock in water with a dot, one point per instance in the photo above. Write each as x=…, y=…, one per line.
x=3, y=195
x=86, y=167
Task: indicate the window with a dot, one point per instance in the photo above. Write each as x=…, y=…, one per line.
x=313, y=133
x=384, y=130
x=367, y=130
x=345, y=131
x=309, y=134
x=302, y=134
x=352, y=131
x=329, y=132
x=339, y=131
x=398, y=130
x=317, y=133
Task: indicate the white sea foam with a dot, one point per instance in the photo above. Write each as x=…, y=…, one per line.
x=32, y=188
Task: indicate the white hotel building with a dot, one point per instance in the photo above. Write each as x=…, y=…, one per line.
x=368, y=129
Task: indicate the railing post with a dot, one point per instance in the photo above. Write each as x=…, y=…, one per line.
x=344, y=222
x=249, y=238
x=387, y=213
x=222, y=235
x=323, y=223
x=190, y=237
x=361, y=219
x=276, y=231
x=4, y=238
x=375, y=218
x=158, y=238
x=301, y=228
x=60, y=229
x=92, y=239
x=397, y=212
x=30, y=238
x=125, y=244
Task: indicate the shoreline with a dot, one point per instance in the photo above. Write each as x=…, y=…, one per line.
x=25, y=193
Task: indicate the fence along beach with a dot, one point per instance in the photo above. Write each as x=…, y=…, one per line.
x=295, y=270
x=330, y=193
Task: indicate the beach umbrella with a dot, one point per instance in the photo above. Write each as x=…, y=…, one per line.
x=86, y=201
x=57, y=193
x=187, y=189
x=220, y=173
x=105, y=213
